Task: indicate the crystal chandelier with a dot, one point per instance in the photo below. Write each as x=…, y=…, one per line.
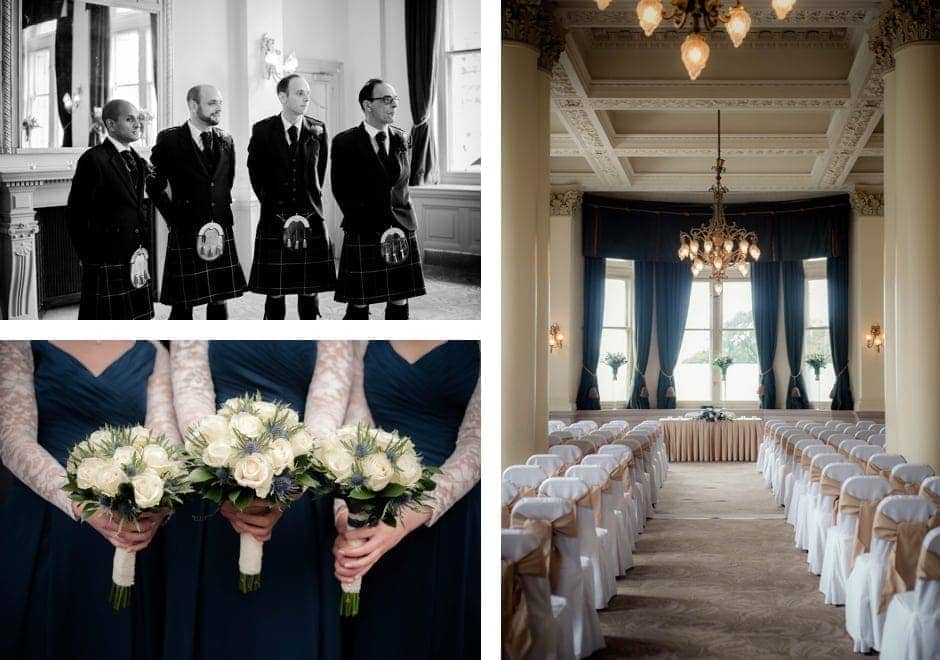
x=695, y=49
x=719, y=244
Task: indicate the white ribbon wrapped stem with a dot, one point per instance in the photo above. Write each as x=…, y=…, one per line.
x=249, y=554
x=122, y=571
x=355, y=586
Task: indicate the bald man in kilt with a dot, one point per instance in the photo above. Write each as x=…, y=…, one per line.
x=287, y=158
x=197, y=159
x=369, y=176
x=109, y=224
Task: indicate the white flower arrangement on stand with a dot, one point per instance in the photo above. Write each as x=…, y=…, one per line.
x=251, y=449
x=127, y=472
x=378, y=474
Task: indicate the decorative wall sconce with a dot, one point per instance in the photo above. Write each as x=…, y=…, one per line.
x=874, y=338
x=555, y=338
x=276, y=65
x=71, y=102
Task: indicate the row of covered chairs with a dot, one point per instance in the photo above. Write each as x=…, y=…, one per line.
x=571, y=519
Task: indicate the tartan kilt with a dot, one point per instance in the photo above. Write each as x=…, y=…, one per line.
x=280, y=271
x=365, y=278
x=190, y=281
x=107, y=293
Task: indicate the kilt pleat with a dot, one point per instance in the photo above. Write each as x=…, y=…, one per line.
x=107, y=293
x=280, y=271
x=190, y=281
x=365, y=278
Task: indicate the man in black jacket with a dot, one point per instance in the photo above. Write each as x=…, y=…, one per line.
x=369, y=175
x=197, y=160
x=287, y=165
x=108, y=222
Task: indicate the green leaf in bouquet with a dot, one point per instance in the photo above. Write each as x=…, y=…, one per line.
x=214, y=494
x=393, y=490
x=361, y=494
x=199, y=475
x=234, y=495
x=243, y=499
x=88, y=512
x=306, y=480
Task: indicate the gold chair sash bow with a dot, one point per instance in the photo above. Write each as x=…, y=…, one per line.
x=506, y=515
x=544, y=530
x=902, y=562
x=815, y=473
x=901, y=487
x=928, y=494
x=592, y=500
x=621, y=473
x=865, y=510
x=875, y=471
x=517, y=638
x=585, y=446
x=928, y=566
x=829, y=486
x=805, y=461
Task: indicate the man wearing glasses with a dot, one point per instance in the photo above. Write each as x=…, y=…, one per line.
x=369, y=173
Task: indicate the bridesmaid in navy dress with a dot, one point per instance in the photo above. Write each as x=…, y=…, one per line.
x=55, y=573
x=294, y=613
x=421, y=587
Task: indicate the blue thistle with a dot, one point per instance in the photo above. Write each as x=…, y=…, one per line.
x=130, y=470
x=105, y=501
x=279, y=431
x=357, y=480
x=391, y=454
x=251, y=447
x=281, y=486
x=222, y=473
x=362, y=450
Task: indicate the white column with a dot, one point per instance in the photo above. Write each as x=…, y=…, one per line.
x=890, y=263
x=566, y=306
x=866, y=299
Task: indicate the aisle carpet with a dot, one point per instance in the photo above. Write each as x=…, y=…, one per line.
x=716, y=575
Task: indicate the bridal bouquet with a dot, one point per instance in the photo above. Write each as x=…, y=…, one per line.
x=378, y=475
x=126, y=471
x=250, y=449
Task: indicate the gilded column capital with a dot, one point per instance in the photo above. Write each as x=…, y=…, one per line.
x=868, y=203
x=565, y=203
x=533, y=22
x=909, y=21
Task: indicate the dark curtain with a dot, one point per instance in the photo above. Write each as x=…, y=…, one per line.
x=793, y=326
x=39, y=11
x=595, y=272
x=420, y=33
x=643, y=318
x=99, y=20
x=837, y=286
x=153, y=56
x=672, y=289
x=63, y=71
x=765, y=297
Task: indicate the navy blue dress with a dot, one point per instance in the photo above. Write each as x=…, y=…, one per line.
x=55, y=573
x=430, y=582
x=294, y=613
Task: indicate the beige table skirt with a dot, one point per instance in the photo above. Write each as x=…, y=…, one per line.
x=698, y=440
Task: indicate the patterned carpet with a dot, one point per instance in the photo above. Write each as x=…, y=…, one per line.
x=716, y=575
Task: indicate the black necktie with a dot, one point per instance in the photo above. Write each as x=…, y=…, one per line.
x=380, y=138
x=208, y=148
x=292, y=134
x=131, y=165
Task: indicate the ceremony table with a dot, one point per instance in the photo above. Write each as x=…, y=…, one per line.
x=698, y=440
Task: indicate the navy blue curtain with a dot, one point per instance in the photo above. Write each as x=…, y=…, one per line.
x=837, y=286
x=765, y=297
x=643, y=319
x=793, y=326
x=672, y=289
x=595, y=271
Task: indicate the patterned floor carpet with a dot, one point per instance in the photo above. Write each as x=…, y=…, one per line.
x=716, y=575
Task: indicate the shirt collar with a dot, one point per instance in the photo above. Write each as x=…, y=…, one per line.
x=120, y=147
x=196, y=133
x=297, y=123
x=372, y=131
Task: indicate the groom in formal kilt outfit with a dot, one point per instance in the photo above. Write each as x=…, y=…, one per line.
x=287, y=158
x=369, y=175
x=108, y=221
x=197, y=160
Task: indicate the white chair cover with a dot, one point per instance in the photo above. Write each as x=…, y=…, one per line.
x=932, y=484
x=524, y=476
x=640, y=480
x=508, y=494
x=886, y=462
x=555, y=425
x=801, y=489
x=864, y=452
x=863, y=588
x=623, y=454
x=794, y=475
x=574, y=581
x=570, y=454
x=626, y=515
x=811, y=543
x=912, y=623
x=610, y=531
x=912, y=473
x=549, y=463
x=877, y=439
x=836, y=471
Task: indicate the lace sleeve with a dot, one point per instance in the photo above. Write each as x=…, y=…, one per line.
x=358, y=410
x=461, y=470
x=160, y=416
x=329, y=389
x=20, y=450
x=193, y=393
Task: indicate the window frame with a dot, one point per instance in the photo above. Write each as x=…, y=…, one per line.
x=617, y=269
x=813, y=270
x=43, y=41
x=134, y=23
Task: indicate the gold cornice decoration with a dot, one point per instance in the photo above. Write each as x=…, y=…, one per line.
x=909, y=21
x=565, y=203
x=533, y=22
x=879, y=41
x=868, y=203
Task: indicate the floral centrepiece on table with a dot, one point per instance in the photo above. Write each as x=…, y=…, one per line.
x=251, y=449
x=378, y=474
x=127, y=472
x=710, y=414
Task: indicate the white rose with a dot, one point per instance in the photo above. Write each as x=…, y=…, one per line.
x=265, y=411
x=213, y=428
x=384, y=439
x=246, y=424
x=87, y=472
x=339, y=462
x=254, y=471
x=148, y=490
x=290, y=418
x=100, y=437
x=156, y=458
x=408, y=469
x=377, y=470
x=281, y=455
x=109, y=478
x=123, y=455
x=231, y=405
x=217, y=454
x=347, y=434
x=301, y=442
x=140, y=436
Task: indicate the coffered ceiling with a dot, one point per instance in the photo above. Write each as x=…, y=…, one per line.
x=801, y=102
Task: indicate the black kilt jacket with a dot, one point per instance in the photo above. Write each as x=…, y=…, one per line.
x=288, y=182
x=107, y=222
x=198, y=196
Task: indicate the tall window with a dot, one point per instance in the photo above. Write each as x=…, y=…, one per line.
x=132, y=64
x=39, y=106
x=816, y=333
x=617, y=334
x=459, y=93
x=718, y=326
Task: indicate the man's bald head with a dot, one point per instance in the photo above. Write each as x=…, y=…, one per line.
x=205, y=105
x=122, y=119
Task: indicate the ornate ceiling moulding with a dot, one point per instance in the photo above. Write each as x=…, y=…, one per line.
x=533, y=22
x=879, y=41
x=868, y=203
x=909, y=21
x=760, y=17
x=719, y=103
x=816, y=39
x=565, y=203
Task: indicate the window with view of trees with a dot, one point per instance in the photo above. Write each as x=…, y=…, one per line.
x=816, y=331
x=617, y=334
x=459, y=93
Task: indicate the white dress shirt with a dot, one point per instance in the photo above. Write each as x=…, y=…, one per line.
x=298, y=123
x=372, y=131
x=197, y=134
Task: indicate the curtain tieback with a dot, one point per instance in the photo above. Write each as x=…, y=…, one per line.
x=842, y=371
x=669, y=376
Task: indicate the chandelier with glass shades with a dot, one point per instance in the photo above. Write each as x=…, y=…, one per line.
x=719, y=244
x=708, y=12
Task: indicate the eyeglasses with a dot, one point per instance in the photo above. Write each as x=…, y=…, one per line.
x=387, y=100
